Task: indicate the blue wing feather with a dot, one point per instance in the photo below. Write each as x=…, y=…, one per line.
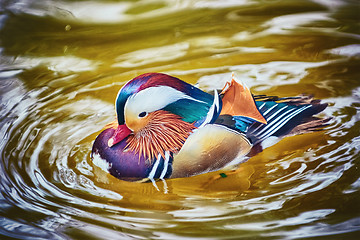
x=242, y=123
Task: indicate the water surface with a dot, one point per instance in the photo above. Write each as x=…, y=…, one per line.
x=63, y=62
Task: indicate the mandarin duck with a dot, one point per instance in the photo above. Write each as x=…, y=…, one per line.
x=167, y=128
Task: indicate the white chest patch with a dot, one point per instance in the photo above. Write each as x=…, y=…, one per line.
x=101, y=163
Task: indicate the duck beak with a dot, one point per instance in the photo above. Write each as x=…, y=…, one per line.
x=120, y=133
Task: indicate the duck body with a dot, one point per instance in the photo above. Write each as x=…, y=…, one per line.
x=167, y=128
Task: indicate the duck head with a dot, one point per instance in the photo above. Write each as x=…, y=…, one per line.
x=156, y=113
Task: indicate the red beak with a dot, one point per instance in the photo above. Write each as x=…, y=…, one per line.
x=120, y=133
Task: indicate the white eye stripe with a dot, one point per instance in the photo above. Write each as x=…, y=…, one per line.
x=154, y=98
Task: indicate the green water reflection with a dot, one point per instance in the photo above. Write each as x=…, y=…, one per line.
x=63, y=62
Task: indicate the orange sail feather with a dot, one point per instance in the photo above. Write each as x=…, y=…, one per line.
x=238, y=101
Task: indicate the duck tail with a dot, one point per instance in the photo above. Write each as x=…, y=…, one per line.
x=286, y=116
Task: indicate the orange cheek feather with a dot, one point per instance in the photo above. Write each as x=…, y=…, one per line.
x=157, y=133
x=136, y=124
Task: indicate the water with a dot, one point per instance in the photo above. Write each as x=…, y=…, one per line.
x=63, y=62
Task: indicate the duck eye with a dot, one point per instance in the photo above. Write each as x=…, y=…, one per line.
x=142, y=114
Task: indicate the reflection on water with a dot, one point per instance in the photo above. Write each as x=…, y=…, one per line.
x=62, y=63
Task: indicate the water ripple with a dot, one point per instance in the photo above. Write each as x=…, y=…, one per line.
x=62, y=65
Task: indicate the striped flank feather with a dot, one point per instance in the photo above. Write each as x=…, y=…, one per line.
x=162, y=168
x=284, y=115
